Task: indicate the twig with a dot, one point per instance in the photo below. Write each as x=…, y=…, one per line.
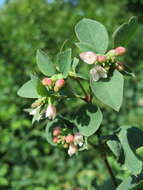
x=104, y=158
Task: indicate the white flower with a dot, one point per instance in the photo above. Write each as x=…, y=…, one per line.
x=98, y=72
x=34, y=111
x=37, y=115
x=78, y=139
x=51, y=112
x=72, y=149
x=88, y=57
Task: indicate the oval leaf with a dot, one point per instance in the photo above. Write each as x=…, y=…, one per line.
x=131, y=138
x=110, y=92
x=44, y=63
x=85, y=46
x=92, y=33
x=88, y=119
x=64, y=60
x=28, y=90
x=124, y=33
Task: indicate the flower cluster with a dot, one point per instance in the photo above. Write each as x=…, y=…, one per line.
x=42, y=110
x=66, y=139
x=103, y=63
x=53, y=84
x=44, y=107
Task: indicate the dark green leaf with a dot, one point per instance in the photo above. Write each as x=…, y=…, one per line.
x=125, y=32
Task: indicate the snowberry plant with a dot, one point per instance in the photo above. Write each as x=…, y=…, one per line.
x=105, y=80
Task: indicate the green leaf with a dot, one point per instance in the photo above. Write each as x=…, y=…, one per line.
x=110, y=92
x=125, y=32
x=75, y=63
x=44, y=63
x=64, y=60
x=132, y=183
x=88, y=119
x=41, y=90
x=28, y=90
x=131, y=138
x=82, y=76
x=85, y=46
x=115, y=146
x=49, y=130
x=93, y=33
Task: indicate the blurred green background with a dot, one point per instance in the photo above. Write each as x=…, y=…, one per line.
x=27, y=161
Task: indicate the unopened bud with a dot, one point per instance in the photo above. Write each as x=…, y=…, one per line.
x=56, y=131
x=120, y=50
x=120, y=66
x=55, y=139
x=69, y=138
x=65, y=146
x=36, y=104
x=59, y=84
x=101, y=58
x=111, y=53
x=47, y=82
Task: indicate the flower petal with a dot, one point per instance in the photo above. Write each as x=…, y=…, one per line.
x=88, y=57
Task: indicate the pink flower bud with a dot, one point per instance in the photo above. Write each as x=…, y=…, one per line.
x=55, y=139
x=101, y=58
x=120, y=50
x=59, y=83
x=69, y=138
x=51, y=112
x=56, y=131
x=72, y=149
x=88, y=57
x=47, y=82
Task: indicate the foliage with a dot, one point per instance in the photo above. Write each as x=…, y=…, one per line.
x=27, y=161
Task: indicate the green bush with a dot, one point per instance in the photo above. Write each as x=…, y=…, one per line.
x=27, y=160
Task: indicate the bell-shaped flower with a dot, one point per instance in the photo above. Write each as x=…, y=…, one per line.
x=78, y=139
x=51, y=112
x=98, y=72
x=72, y=149
x=88, y=57
x=35, y=110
